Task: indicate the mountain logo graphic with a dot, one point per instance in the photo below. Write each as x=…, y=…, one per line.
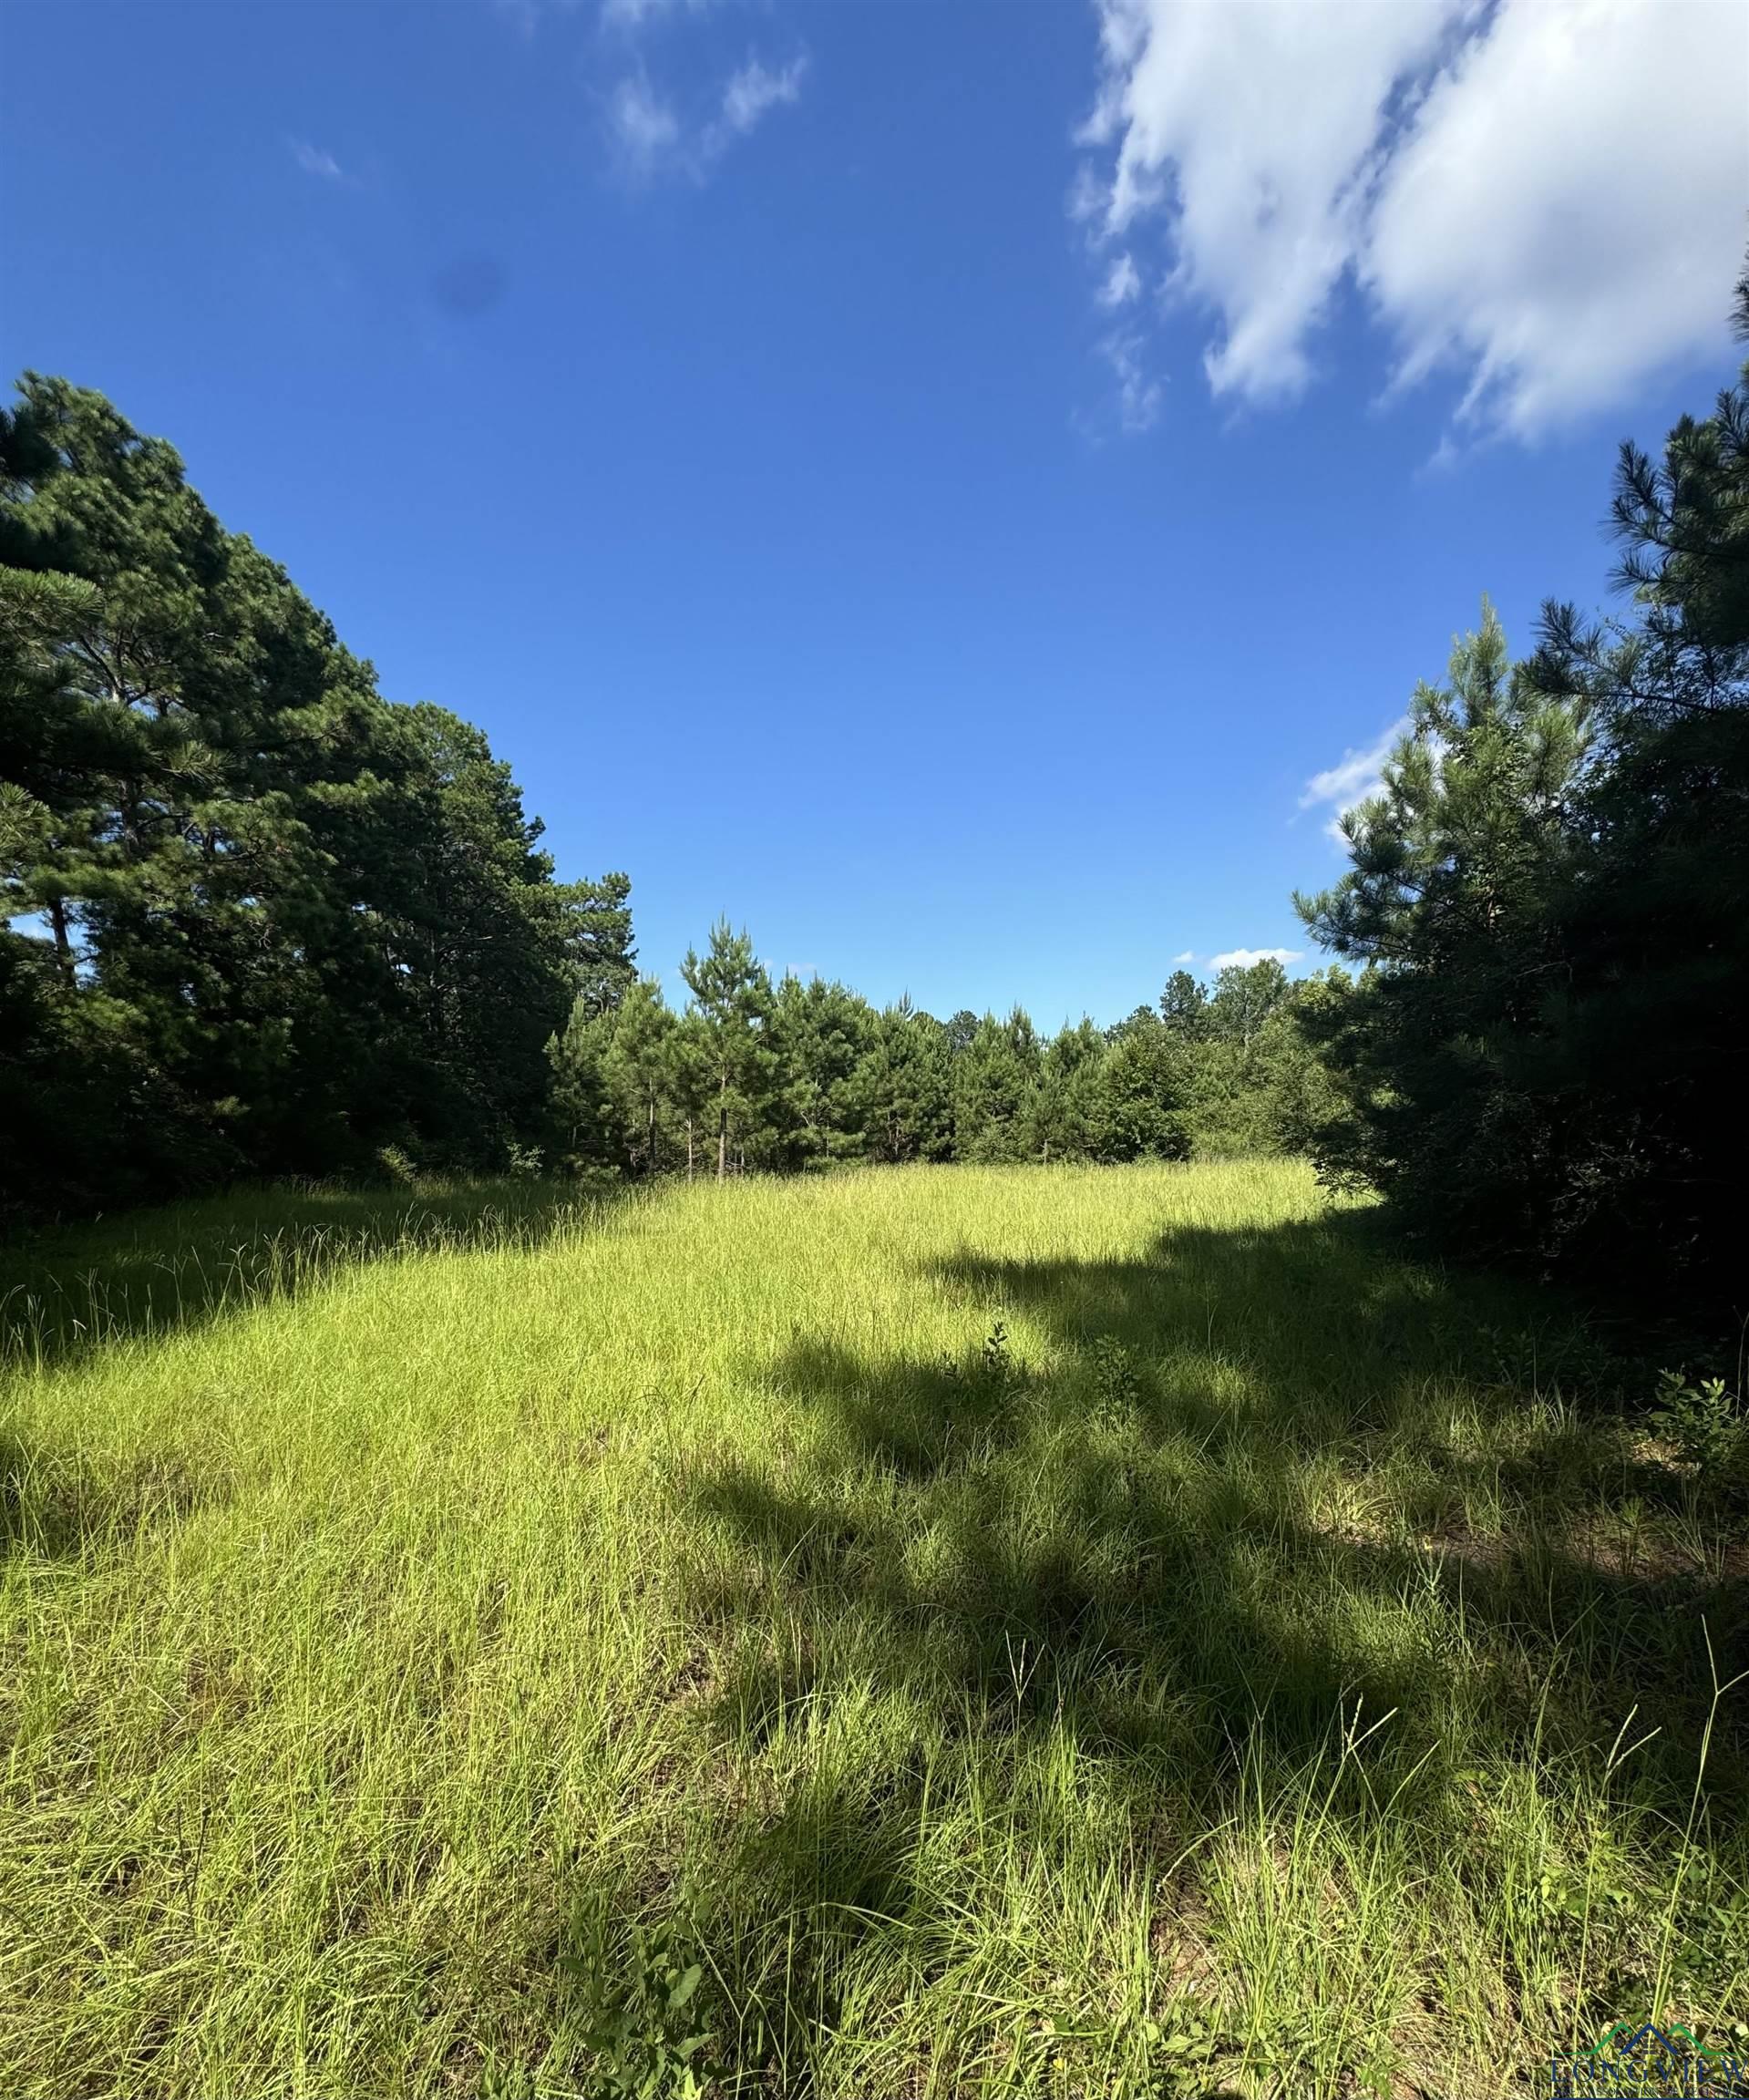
x=1649, y=2063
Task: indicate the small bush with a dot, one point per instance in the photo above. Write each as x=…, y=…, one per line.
x=1705, y=1422
x=396, y=1166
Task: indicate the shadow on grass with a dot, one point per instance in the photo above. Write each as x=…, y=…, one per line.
x=151, y=1272
x=57, y=1505
x=1261, y=1489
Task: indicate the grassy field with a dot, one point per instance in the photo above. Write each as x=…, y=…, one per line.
x=953, y=1631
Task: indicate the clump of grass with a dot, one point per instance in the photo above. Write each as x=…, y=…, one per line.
x=951, y=1632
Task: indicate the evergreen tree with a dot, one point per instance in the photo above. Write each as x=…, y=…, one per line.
x=585, y=1118
x=283, y=922
x=820, y=1033
x=640, y=1070
x=593, y=923
x=1138, y=1110
x=692, y=1080
x=1460, y=867
x=1184, y=1006
x=1063, y=1112
x=732, y=1003
x=994, y=1078
x=905, y=1087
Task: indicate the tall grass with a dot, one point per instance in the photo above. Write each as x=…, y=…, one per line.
x=1033, y=1632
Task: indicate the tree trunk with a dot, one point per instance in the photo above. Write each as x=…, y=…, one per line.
x=62, y=946
x=723, y=1131
x=653, y=1134
x=689, y=1147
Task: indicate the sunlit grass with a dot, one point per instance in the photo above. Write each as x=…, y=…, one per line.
x=1261, y=1665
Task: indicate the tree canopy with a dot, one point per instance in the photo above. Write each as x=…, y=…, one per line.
x=259, y=920
x=1549, y=900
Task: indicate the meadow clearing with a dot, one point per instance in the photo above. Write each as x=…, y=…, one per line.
x=953, y=1631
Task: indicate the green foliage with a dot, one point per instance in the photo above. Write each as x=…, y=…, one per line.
x=1115, y=1380
x=806, y=1075
x=731, y=1015
x=820, y=1035
x=1138, y=1109
x=1184, y=1006
x=259, y=920
x=1551, y=899
x=993, y=1076
x=639, y=2008
x=905, y=1085
x=1704, y=1421
x=1457, y=866
x=1245, y=997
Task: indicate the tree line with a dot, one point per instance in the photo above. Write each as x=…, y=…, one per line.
x=753, y=1073
x=260, y=920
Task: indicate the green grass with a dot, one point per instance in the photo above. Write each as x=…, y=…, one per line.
x=1019, y=1630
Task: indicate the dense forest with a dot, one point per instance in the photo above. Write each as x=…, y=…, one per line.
x=795, y=1074
x=263, y=921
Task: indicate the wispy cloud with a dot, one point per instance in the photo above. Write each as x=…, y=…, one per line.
x=642, y=125
x=635, y=14
x=316, y=160
x=1123, y=282
x=651, y=136
x=1140, y=392
x=755, y=89
x=1244, y=958
x=1355, y=777
x=1188, y=957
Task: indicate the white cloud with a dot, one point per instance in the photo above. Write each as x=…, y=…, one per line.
x=635, y=14
x=1547, y=196
x=316, y=161
x=1244, y=958
x=1123, y=285
x=642, y=125
x=651, y=137
x=1086, y=199
x=1188, y=957
x=1249, y=126
x=1140, y=392
x=1354, y=777
x=755, y=89
x=1568, y=213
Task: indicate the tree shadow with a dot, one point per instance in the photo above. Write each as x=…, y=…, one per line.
x=150, y=1274
x=1250, y=1494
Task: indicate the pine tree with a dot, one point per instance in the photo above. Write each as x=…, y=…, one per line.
x=820, y=1033
x=283, y=921
x=1461, y=868
x=1184, y=1006
x=732, y=1002
x=993, y=1078
x=904, y=1086
x=640, y=1070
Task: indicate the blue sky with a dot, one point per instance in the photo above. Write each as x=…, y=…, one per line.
x=935, y=485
